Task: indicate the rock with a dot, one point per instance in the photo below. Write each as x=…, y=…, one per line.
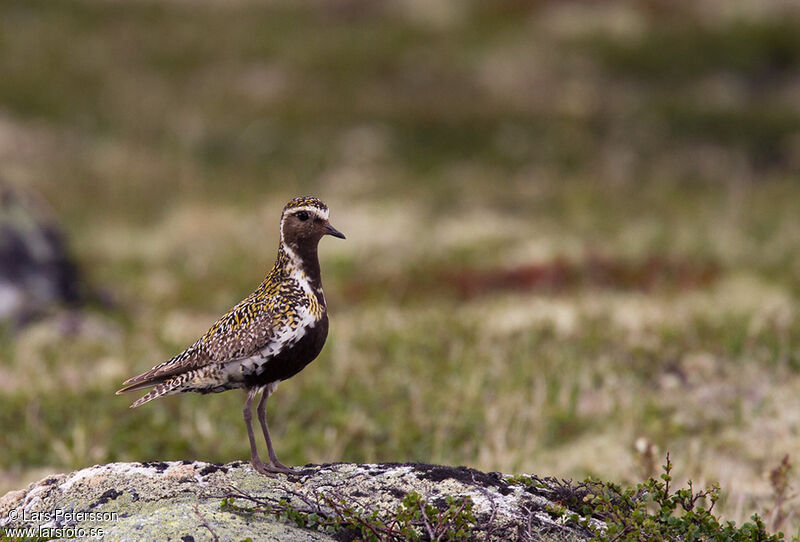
x=35, y=269
x=182, y=501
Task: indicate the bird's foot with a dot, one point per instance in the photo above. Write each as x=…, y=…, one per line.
x=260, y=467
x=277, y=466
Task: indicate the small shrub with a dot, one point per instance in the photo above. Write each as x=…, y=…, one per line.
x=654, y=511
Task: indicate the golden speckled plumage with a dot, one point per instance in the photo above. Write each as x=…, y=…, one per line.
x=267, y=337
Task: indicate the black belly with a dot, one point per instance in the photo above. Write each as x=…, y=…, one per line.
x=293, y=359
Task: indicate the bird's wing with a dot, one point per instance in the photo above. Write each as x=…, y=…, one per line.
x=243, y=331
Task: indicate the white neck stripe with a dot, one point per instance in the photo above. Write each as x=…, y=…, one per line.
x=292, y=256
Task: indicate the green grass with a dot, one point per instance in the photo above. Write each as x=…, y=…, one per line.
x=677, y=52
x=454, y=150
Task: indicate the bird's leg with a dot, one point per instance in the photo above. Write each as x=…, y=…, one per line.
x=274, y=464
x=248, y=416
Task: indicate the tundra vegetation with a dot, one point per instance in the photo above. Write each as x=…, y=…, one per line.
x=573, y=236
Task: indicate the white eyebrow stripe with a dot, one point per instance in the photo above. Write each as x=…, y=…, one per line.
x=322, y=213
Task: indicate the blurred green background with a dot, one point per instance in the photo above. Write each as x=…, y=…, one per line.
x=573, y=229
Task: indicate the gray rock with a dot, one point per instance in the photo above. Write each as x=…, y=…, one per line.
x=181, y=501
x=36, y=271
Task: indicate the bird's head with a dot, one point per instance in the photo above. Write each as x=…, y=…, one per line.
x=305, y=221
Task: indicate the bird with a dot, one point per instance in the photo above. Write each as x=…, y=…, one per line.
x=268, y=337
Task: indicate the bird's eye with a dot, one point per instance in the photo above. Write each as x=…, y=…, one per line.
x=302, y=215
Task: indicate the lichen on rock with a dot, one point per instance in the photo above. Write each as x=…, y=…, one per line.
x=182, y=501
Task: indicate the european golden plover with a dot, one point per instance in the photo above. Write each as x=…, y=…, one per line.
x=269, y=336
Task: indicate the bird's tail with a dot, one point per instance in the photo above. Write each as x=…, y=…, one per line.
x=167, y=387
